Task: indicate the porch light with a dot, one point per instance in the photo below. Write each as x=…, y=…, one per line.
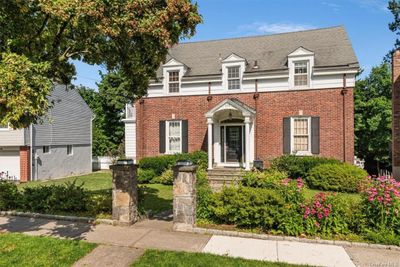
x=230, y=115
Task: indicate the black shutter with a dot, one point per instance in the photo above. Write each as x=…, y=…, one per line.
x=162, y=137
x=185, y=137
x=315, y=135
x=286, y=136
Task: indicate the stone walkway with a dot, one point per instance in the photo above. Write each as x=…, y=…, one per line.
x=120, y=246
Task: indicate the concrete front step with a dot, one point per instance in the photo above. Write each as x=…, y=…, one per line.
x=224, y=176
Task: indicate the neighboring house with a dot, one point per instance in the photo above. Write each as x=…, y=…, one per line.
x=251, y=98
x=61, y=145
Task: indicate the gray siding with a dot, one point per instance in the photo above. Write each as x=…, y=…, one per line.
x=67, y=123
x=58, y=164
x=12, y=137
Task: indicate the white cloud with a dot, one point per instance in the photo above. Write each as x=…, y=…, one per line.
x=373, y=4
x=335, y=7
x=263, y=27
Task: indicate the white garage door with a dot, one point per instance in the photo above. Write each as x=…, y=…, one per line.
x=9, y=163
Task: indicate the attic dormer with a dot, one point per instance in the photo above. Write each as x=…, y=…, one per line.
x=300, y=64
x=173, y=72
x=233, y=68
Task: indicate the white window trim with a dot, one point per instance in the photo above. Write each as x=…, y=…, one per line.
x=233, y=61
x=171, y=66
x=236, y=78
x=167, y=151
x=301, y=54
x=46, y=152
x=300, y=153
x=178, y=82
x=72, y=150
x=308, y=74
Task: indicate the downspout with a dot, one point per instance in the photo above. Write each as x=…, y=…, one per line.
x=91, y=141
x=255, y=97
x=209, y=96
x=31, y=152
x=344, y=92
x=141, y=102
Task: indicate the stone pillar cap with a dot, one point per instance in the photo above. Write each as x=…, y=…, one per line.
x=191, y=168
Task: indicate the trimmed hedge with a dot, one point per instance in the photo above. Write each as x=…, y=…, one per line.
x=162, y=163
x=145, y=176
x=268, y=178
x=296, y=166
x=247, y=207
x=336, y=177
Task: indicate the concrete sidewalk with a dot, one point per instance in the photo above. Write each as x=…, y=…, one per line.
x=119, y=246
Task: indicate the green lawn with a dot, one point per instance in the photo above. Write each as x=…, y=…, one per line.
x=184, y=259
x=157, y=197
x=23, y=250
x=309, y=193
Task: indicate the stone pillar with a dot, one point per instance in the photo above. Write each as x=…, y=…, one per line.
x=184, y=197
x=124, y=194
x=210, y=143
x=396, y=115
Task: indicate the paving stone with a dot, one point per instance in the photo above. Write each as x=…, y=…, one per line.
x=110, y=256
x=246, y=248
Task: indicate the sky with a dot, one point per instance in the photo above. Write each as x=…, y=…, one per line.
x=366, y=22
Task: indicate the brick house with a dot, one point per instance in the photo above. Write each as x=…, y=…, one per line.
x=250, y=98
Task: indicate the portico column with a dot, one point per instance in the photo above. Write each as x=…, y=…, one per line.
x=247, y=133
x=210, y=144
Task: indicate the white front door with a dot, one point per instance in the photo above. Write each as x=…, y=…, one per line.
x=9, y=163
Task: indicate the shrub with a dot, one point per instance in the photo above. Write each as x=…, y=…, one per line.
x=247, y=207
x=9, y=196
x=336, y=177
x=296, y=166
x=204, y=196
x=161, y=163
x=167, y=178
x=269, y=178
x=381, y=204
x=49, y=198
x=145, y=175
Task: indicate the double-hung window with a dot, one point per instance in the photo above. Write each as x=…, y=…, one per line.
x=233, y=78
x=46, y=149
x=301, y=137
x=301, y=74
x=173, y=81
x=174, y=136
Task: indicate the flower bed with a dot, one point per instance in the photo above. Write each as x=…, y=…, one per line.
x=284, y=209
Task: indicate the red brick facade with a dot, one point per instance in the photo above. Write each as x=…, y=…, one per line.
x=396, y=114
x=335, y=134
x=24, y=163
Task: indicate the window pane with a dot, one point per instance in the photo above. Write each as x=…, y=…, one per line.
x=300, y=143
x=234, y=84
x=174, y=76
x=301, y=126
x=300, y=80
x=174, y=136
x=300, y=67
x=233, y=72
x=173, y=87
x=3, y=126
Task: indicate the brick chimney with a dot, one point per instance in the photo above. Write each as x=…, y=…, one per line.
x=396, y=114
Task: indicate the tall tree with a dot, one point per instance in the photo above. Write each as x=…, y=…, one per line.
x=373, y=117
x=131, y=37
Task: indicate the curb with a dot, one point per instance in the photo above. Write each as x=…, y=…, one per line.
x=209, y=231
x=88, y=220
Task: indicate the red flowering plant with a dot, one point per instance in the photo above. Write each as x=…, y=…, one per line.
x=381, y=203
x=324, y=214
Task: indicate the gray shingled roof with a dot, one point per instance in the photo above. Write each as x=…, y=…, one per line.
x=331, y=46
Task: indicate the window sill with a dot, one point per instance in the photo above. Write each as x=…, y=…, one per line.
x=300, y=154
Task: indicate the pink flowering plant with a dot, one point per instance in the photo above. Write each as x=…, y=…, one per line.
x=381, y=203
x=323, y=214
x=292, y=190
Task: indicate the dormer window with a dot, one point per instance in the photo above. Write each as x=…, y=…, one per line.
x=234, y=77
x=173, y=81
x=301, y=73
x=4, y=127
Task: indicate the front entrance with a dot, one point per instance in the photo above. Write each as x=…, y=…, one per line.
x=232, y=144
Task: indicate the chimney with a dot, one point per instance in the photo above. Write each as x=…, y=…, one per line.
x=396, y=114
